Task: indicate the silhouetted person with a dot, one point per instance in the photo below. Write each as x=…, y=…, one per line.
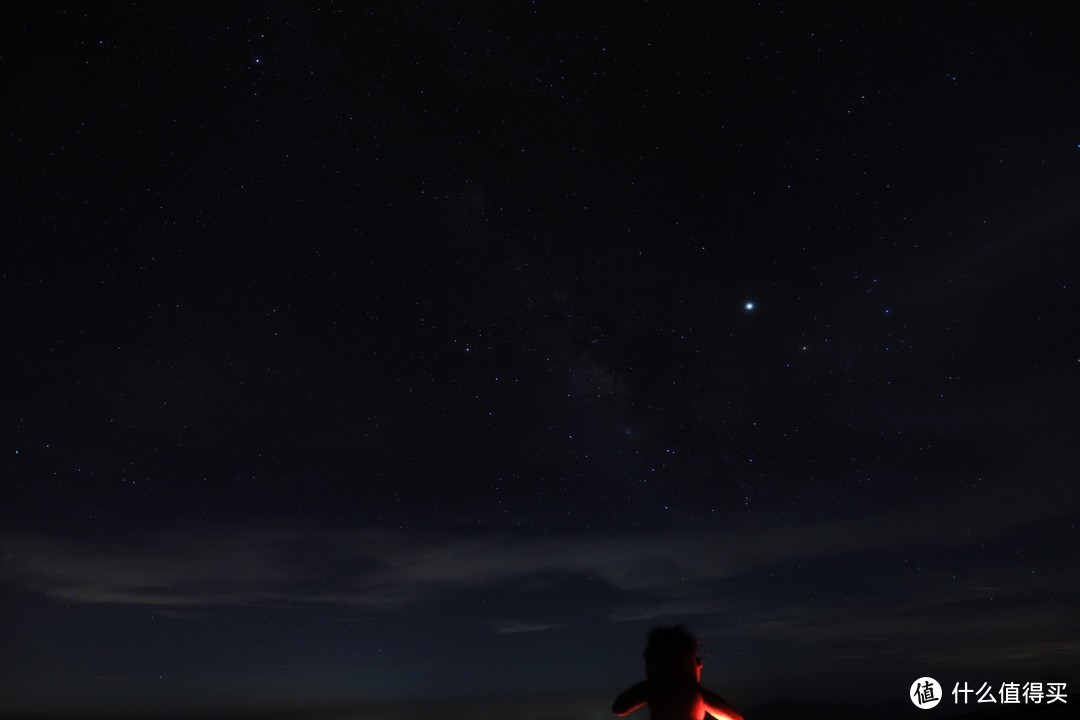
x=672, y=687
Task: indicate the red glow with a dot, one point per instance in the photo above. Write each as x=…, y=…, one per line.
x=672, y=690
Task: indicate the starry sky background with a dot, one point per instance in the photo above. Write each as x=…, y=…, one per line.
x=361, y=356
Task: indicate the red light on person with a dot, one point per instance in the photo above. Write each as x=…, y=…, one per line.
x=672, y=689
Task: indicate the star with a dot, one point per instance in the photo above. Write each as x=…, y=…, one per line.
x=749, y=305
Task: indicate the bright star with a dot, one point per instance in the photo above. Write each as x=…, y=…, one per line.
x=749, y=305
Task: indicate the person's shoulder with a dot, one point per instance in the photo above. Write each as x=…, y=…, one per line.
x=631, y=699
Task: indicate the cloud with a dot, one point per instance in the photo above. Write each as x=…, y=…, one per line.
x=667, y=609
x=657, y=574
x=512, y=626
x=177, y=573
x=884, y=587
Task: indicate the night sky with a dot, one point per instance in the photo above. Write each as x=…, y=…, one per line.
x=367, y=360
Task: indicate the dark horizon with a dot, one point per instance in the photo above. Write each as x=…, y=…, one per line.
x=561, y=706
x=355, y=355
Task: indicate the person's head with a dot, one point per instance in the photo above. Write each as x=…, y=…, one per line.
x=672, y=651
